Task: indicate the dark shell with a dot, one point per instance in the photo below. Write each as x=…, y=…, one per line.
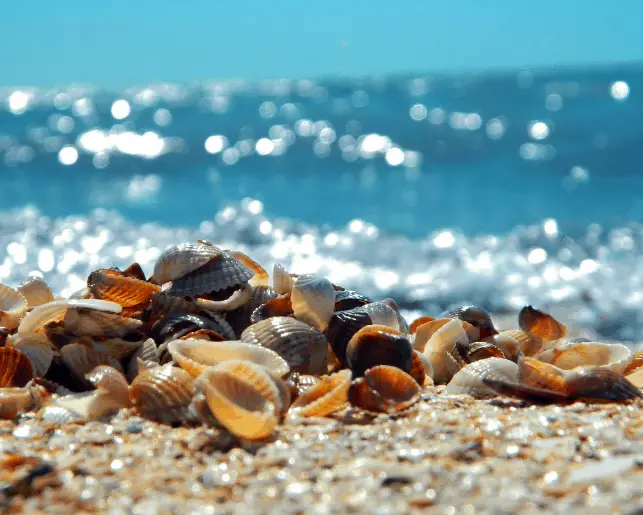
x=476, y=316
x=378, y=345
x=240, y=318
x=279, y=306
x=205, y=334
x=341, y=328
x=524, y=392
x=601, y=384
x=15, y=368
x=417, y=371
x=176, y=325
x=135, y=271
x=348, y=299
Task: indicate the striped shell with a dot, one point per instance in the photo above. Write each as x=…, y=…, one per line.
x=324, y=398
x=179, y=260
x=384, y=389
x=469, y=380
x=612, y=356
x=15, y=368
x=110, y=381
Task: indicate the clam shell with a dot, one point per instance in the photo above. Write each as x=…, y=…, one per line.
x=282, y=281
x=179, y=260
x=299, y=383
x=12, y=307
x=36, y=291
x=55, y=310
x=129, y=292
x=469, y=380
x=81, y=359
x=219, y=274
x=378, y=345
x=110, y=381
x=84, y=322
x=541, y=324
x=280, y=306
x=197, y=355
x=260, y=277
x=313, y=300
x=304, y=348
x=441, y=347
x=37, y=348
x=325, y=398
x=184, y=320
x=15, y=368
x=612, y=356
x=238, y=404
x=14, y=401
x=163, y=393
x=421, y=369
x=384, y=389
x=425, y=332
x=381, y=314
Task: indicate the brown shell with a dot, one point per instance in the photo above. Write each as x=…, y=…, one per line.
x=478, y=317
x=300, y=383
x=601, y=384
x=384, y=389
x=280, y=306
x=482, y=350
x=541, y=324
x=15, y=368
x=241, y=317
x=417, y=371
x=110, y=381
x=537, y=374
x=81, y=358
x=204, y=334
x=260, y=277
x=378, y=345
x=341, y=328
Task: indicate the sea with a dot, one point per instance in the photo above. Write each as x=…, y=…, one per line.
x=500, y=188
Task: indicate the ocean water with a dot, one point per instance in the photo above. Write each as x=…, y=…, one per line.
x=502, y=189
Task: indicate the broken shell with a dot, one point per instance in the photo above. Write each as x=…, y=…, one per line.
x=469, y=380
x=304, y=348
x=110, y=381
x=541, y=324
x=163, y=393
x=55, y=310
x=36, y=291
x=378, y=345
x=12, y=306
x=325, y=398
x=197, y=355
x=612, y=356
x=15, y=368
x=384, y=389
x=313, y=300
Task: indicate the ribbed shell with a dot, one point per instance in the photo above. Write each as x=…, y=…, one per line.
x=469, y=380
x=55, y=310
x=260, y=277
x=36, y=291
x=305, y=349
x=313, y=300
x=163, y=393
x=15, y=368
x=384, y=389
x=179, y=260
x=326, y=397
x=541, y=324
x=147, y=352
x=378, y=345
x=131, y=293
x=612, y=356
x=241, y=317
x=12, y=307
x=37, y=348
x=165, y=305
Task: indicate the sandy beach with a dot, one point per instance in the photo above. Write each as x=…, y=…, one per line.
x=451, y=455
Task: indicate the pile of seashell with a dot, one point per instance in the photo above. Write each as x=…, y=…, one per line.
x=206, y=339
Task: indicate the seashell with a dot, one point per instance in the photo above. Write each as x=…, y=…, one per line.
x=163, y=393
x=36, y=291
x=483, y=350
x=89, y=322
x=131, y=293
x=348, y=299
x=204, y=334
x=280, y=306
x=179, y=260
x=524, y=392
x=441, y=347
x=313, y=300
x=299, y=383
x=419, y=322
x=239, y=404
x=326, y=397
x=118, y=348
x=81, y=359
x=384, y=389
x=177, y=325
x=197, y=355
x=146, y=353
x=227, y=300
x=541, y=324
x=260, y=277
x=304, y=348
x=37, y=348
x=636, y=378
x=635, y=363
x=426, y=331
x=378, y=345
x=55, y=310
x=478, y=317
x=12, y=307
x=14, y=401
x=381, y=314
x=515, y=342
x=49, y=387
x=282, y=281
x=537, y=374
x=4, y=334
x=240, y=318
x=218, y=274
x=600, y=384
x=403, y=326
x=92, y=405
x=135, y=271
x=612, y=356
x=421, y=369
x=112, y=382
x=15, y=368
x=469, y=380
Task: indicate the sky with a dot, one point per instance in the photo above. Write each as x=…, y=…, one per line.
x=134, y=42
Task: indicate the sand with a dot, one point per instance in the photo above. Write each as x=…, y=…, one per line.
x=452, y=455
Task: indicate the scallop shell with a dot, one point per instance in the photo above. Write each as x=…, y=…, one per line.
x=260, y=277
x=219, y=274
x=440, y=349
x=469, y=380
x=12, y=307
x=179, y=260
x=84, y=322
x=326, y=397
x=15, y=368
x=129, y=292
x=112, y=382
x=305, y=349
x=81, y=359
x=612, y=356
x=37, y=348
x=36, y=291
x=313, y=300
x=55, y=310
x=14, y=401
x=378, y=345
x=197, y=355
x=541, y=324
x=238, y=404
x=147, y=353
x=163, y=393
x=282, y=281
x=384, y=389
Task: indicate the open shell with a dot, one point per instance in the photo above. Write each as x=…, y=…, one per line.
x=326, y=397
x=384, y=389
x=15, y=368
x=441, y=348
x=378, y=345
x=110, y=381
x=179, y=260
x=612, y=356
x=541, y=324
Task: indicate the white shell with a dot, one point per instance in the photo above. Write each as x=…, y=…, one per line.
x=282, y=281
x=313, y=300
x=89, y=405
x=613, y=356
x=37, y=348
x=36, y=291
x=55, y=310
x=146, y=354
x=469, y=379
x=440, y=348
x=12, y=306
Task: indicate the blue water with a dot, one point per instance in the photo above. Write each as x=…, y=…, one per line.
x=501, y=189
x=484, y=154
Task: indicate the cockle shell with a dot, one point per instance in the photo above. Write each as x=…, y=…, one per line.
x=197, y=355
x=304, y=348
x=260, y=277
x=147, y=354
x=313, y=300
x=514, y=342
x=348, y=299
x=326, y=397
x=179, y=260
x=239, y=403
x=541, y=324
x=55, y=310
x=15, y=368
x=131, y=293
x=110, y=381
x=384, y=389
x=36, y=291
x=299, y=383
x=476, y=316
x=13, y=305
x=613, y=356
x=441, y=347
x=163, y=393
x=378, y=345
x=176, y=325
x=425, y=332
x=469, y=379
x=14, y=401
